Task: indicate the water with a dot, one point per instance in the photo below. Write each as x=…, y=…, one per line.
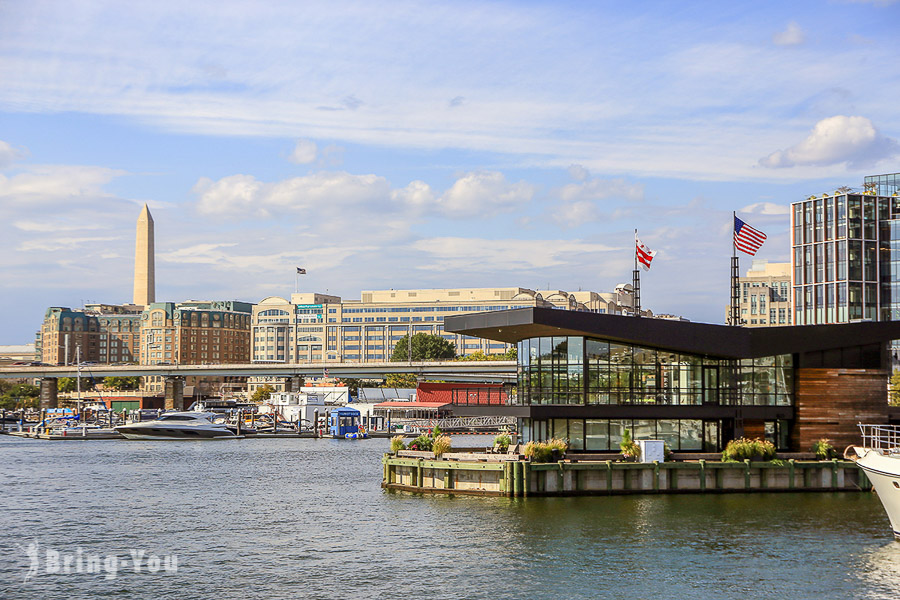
x=296, y=518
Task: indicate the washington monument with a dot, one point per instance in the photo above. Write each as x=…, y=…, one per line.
x=144, y=271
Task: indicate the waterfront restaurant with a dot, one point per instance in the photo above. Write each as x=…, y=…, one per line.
x=588, y=377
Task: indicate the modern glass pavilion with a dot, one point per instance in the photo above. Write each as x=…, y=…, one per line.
x=588, y=377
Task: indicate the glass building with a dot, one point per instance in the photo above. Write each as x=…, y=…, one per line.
x=845, y=255
x=575, y=370
x=589, y=377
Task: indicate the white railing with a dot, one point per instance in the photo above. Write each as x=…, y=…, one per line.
x=492, y=423
x=881, y=437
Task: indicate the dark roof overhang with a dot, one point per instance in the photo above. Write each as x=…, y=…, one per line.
x=722, y=341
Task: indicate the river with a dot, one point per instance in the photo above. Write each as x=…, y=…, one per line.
x=301, y=518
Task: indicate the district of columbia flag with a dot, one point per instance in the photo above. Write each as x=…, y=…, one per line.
x=644, y=254
x=747, y=239
x=301, y=271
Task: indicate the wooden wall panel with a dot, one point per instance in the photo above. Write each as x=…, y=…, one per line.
x=830, y=402
x=754, y=429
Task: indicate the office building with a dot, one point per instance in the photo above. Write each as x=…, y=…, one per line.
x=765, y=294
x=846, y=254
x=313, y=327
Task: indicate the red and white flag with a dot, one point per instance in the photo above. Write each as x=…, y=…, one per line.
x=644, y=254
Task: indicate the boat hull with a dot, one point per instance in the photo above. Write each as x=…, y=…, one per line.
x=884, y=473
x=146, y=433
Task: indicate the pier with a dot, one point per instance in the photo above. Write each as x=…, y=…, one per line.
x=509, y=475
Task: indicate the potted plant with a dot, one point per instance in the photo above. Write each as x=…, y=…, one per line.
x=823, y=449
x=501, y=442
x=558, y=448
x=440, y=445
x=630, y=449
x=397, y=444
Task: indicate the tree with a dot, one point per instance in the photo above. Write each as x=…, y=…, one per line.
x=894, y=389
x=400, y=380
x=122, y=383
x=425, y=346
x=262, y=394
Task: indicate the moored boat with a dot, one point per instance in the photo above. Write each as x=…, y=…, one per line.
x=879, y=457
x=179, y=426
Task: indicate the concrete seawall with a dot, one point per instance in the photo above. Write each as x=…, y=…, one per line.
x=514, y=478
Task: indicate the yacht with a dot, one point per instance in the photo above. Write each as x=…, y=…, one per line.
x=178, y=426
x=879, y=457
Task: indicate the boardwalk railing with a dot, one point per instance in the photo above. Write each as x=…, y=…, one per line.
x=450, y=423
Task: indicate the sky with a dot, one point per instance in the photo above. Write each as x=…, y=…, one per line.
x=424, y=144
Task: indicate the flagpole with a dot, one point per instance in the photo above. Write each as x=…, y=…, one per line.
x=735, y=278
x=636, y=280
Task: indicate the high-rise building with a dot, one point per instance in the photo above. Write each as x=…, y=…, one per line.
x=846, y=254
x=765, y=294
x=144, y=261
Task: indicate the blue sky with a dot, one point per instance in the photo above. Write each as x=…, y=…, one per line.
x=424, y=144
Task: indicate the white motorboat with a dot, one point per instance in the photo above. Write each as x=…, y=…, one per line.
x=879, y=457
x=178, y=426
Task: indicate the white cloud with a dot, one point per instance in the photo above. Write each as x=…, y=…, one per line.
x=56, y=183
x=581, y=202
x=835, y=140
x=484, y=194
x=475, y=254
x=767, y=208
x=304, y=153
x=246, y=196
x=9, y=155
x=62, y=243
x=792, y=36
x=418, y=196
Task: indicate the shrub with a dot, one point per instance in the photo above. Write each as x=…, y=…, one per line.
x=629, y=447
x=440, y=445
x=422, y=443
x=397, y=443
x=538, y=451
x=502, y=442
x=558, y=444
x=823, y=449
x=743, y=448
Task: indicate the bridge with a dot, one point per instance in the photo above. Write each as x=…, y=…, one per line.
x=497, y=371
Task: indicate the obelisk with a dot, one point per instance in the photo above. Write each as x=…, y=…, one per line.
x=144, y=275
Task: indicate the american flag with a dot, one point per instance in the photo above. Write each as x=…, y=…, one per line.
x=643, y=253
x=301, y=271
x=747, y=239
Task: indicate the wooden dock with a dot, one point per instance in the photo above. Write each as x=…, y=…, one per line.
x=500, y=475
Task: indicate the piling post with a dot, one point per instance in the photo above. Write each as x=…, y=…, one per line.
x=526, y=478
x=517, y=478
x=747, y=473
x=834, y=473
x=240, y=420
x=702, y=475
x=791, y=474
x=420, y=474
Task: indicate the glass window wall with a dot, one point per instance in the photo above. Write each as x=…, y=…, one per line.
x=576, y=370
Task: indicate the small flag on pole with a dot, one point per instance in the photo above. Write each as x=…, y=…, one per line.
x=643, y=253
x=301, y=271
x=747, y=239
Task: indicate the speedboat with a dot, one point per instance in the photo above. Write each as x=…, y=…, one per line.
x=879, y=457
x=178, y=426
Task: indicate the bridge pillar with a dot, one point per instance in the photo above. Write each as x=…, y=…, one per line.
x=49, y=387
x=174, y=387
x=293, y=384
